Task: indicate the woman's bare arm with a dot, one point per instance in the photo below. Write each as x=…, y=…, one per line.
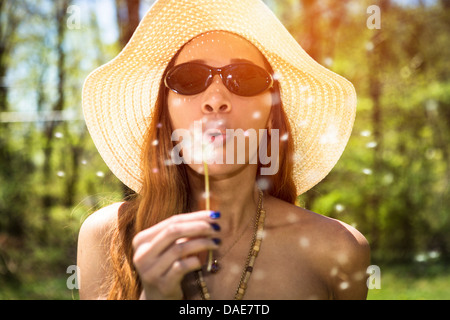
x=93, y=252
x=160, y=258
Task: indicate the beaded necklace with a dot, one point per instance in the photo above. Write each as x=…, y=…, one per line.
x=251, y=257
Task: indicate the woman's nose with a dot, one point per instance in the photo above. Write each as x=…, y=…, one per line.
x=216, y=97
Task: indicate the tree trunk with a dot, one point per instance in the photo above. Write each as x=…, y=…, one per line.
x=376, y=61
x=49, y=131
x=127, y=19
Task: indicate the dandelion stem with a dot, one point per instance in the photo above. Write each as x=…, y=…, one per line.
x=205, y=167
x=210, y=253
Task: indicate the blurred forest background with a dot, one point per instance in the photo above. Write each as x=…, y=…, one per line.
x=392, y=182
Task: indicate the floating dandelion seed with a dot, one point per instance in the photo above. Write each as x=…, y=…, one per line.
x=371, y=145
x=297, y=157
x=284, y=137
x=388, y=178
x=434, y=254
x=277, y=76
x=61, y=174
x=342, y=258
x=59, y=135
x=155, y=142
x=302, y=123
x=292, y=218
x=405, y=72
x=367, y=171
x=339, y=207
x=205, y=195
x=310, y=100
x=334, y=272
x=344, y=285
x=421, y=257
x=200, y=170
x=369, y=46
x=328, y=61
x=256, y=115
x=303, y=89
x=430, y=153
x=264, y=184
x=100, y=174
x=330, y=136
x=261, y=234
x=168, y=162
x=366, y=133
x=432, y=106
x=83, y=162
x=235, y=269
x=304, y=242
x=359, y=275
x=259, y=274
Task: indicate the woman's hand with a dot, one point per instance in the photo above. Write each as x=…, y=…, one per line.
x=166, y=252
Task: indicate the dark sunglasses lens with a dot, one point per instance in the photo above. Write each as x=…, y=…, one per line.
x=188, y=79
x=247, y=80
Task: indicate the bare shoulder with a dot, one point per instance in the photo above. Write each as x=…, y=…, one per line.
x=93, y=251
x=331, y=233
x=100, y=221
x=337, y=251
x=344, y=257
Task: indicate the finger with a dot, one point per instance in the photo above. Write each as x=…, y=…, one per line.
x=144, y=235
x=159, y=265
x=168, y=237
x=179, y=270
x=180, y=231
x=183, y=250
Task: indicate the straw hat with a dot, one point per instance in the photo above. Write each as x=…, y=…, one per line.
x=118, y=98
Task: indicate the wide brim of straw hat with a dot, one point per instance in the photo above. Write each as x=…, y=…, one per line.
x=119, y=97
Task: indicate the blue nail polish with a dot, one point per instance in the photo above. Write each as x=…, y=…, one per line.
x=215, y=215
x=217, y=241
x=215, y=226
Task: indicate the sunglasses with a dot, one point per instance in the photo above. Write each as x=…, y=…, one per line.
x=242, y=79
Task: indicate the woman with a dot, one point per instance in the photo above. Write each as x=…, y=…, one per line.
x=222, y=74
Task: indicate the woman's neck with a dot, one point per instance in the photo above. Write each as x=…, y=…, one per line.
x=236, y=197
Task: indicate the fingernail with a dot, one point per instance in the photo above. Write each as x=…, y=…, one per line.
x=215, y=215
x=217, y=241
x=215, y=226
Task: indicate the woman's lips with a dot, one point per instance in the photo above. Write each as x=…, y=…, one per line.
x=215, y=136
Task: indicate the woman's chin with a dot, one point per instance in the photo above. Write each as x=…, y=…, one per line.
x=218, y=170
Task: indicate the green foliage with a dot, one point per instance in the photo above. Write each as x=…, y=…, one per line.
x=392, y=182
x=419, y=282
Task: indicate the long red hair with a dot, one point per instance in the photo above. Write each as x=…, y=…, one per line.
x=165, y=191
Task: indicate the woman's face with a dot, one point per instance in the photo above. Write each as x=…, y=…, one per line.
x=217, y=109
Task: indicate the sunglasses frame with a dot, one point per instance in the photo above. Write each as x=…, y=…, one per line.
x=222, y=72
